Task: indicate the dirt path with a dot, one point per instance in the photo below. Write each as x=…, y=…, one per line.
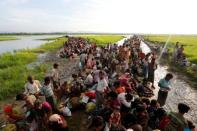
x=181, y=91
x=78, y=120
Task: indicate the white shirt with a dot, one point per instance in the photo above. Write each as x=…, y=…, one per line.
x=122, y=99
x=32, y=88
x=102, y=85
x=89, y=79
x=55, y=74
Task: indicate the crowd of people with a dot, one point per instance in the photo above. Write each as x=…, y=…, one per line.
x=178, y=55
x=113, y=86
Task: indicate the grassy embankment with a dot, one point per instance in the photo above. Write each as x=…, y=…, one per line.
x=7, y=38
x=190, y=46
x=13, y=70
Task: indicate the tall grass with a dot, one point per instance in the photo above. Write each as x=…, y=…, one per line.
x=190, y=45
x=13, y=70
x=102, y=40
x=189, y=42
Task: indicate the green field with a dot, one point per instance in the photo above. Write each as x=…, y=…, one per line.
x=102, y=40
x=13, y=70
x=190, y=46
x=5, y=38
x=189, y=42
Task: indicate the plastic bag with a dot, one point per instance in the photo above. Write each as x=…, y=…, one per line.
x=66, y=111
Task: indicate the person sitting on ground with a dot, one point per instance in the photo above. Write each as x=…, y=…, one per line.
x=130, y=122
x=32, y=87
x=142, y=116
x=143, y=91
x=125, y=100
x=154, y=105
x=97, y=124
x=89, y=80
x=57, y=123
x=112, y=100
x=42, y=110
x=184, y=61
x=177, y=119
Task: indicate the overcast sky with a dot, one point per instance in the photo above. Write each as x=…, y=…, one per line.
x=117, y=16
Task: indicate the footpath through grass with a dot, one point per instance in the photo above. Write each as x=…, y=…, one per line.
x=13, y=69
x=190, y=46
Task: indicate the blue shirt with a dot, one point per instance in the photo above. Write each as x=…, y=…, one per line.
x=164, y=84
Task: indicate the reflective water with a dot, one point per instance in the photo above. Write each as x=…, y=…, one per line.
x=180, y=92
x=24, y=42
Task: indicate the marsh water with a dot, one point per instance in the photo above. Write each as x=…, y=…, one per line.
x=24, y=42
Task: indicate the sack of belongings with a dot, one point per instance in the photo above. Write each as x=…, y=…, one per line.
x=66, y=111
x=90, y=107
x=10, y=127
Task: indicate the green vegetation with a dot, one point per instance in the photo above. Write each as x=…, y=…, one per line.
x=13, y=70
x=190, y=45
x=48, y=39
x=189, y=42
x=102, y=40
x=5, y=38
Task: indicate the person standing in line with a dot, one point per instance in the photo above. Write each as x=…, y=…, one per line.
x=152, y=66
x=145, y=69
x=55, y=74
x=175, y=52
x=164, y=85
x=47, y=91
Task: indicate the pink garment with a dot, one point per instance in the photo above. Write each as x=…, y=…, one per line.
x=46, y=106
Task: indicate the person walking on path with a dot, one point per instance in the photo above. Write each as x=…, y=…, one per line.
x=164, y=85
x=47, y=91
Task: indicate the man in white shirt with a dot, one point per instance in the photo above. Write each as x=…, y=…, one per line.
x=100, y=90
x=89, y=80
x=55, y=74
x=125, y=99
x=32, y=87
